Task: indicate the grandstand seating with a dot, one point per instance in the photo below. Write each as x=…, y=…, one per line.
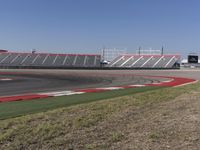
x=45, y=60
x=145, y=61
x=10, y=59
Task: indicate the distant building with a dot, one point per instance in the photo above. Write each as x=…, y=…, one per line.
x=192, y=61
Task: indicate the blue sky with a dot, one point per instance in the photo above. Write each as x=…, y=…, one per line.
x=85, y=26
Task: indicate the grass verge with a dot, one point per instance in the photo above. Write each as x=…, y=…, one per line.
x=18, y=108
x=98, y=125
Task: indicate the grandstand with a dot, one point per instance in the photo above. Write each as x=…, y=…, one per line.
x=48, y=60
x=45, y=60
x=145, y=61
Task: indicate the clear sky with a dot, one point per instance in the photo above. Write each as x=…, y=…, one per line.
x=84, y=26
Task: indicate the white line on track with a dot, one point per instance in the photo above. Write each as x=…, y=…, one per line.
x=61, y=93
x=137, y=85
x=156, y=83
x=6, y=79
x=168, y=81
x=110, y=88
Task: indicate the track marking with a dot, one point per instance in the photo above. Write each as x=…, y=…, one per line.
x=156, y=83
x=168, y=81
x=6, y=79
x=173, y=82
x=110, y=88
x=137, y=85
x=187, y=83
x=61, y=93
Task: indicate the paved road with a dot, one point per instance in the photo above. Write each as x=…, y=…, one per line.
x=34, y=81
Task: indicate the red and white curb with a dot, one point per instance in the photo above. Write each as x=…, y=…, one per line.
x=172, y=82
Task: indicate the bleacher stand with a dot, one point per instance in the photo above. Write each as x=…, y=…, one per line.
x=48, y=60
x=145, y=61
x=44, y=60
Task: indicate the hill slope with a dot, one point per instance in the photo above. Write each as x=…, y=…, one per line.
x=161, y=119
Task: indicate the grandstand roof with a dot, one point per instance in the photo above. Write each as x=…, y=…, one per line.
x=67, y=54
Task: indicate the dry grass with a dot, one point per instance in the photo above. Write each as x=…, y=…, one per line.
x=119, y=123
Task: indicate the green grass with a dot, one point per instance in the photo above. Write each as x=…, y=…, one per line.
x=18, y=108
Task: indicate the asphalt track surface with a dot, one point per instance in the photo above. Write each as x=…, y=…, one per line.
x=34, y=81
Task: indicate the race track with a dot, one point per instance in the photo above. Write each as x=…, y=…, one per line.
x=15, y=82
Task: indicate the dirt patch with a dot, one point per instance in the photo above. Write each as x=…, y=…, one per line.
x=168, y=125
